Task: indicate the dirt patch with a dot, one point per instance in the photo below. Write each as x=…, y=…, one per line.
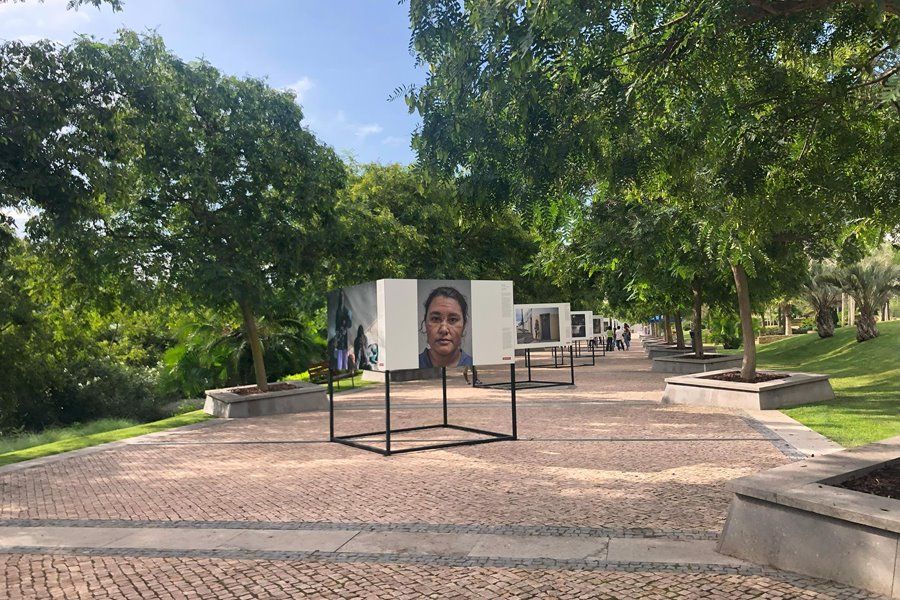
x=273, y=387
x=884, y=481
x=705, y=356
x=760, y=377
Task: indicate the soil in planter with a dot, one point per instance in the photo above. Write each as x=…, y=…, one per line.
x=273, y=387
x=736, y=377
x=705, y=356
x=884, y=481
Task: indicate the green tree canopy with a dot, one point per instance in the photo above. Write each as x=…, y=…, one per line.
x=205, y=184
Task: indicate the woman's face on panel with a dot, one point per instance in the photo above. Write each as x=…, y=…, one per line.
x=444, y=327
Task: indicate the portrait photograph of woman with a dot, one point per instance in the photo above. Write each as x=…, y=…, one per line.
x=444, y=323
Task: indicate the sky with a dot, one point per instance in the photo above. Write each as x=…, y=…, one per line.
x=343, y=58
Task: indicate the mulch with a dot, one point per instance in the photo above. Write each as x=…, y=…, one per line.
x=736, y=376
x=884, y=481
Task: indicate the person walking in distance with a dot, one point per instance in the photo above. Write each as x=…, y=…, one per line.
x=620, y=338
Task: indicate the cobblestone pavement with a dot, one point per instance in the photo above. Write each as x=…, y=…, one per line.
x=601, y=457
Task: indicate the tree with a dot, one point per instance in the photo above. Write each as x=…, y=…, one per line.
x=397, y=222
x=870, y=282
x=740, y=111
x=212, y=188
x=822, y=297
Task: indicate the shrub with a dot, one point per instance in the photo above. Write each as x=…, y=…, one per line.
x=725, y=328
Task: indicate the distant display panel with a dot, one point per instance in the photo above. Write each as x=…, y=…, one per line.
x=598, y=325
x=542, y=325
x=582, y=324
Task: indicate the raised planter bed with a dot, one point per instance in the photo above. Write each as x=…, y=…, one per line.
x=793, y=518
x=663, y=350
x=700, y=390
x=302, y=397
x=687, y=363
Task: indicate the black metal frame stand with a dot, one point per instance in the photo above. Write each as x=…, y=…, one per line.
x=559, y=360
x=534, y=383
x=352, y=440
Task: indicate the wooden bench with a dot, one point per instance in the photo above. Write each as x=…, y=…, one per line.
x=318, y=373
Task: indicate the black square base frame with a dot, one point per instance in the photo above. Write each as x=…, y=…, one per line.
x=354, y=441
x=532, y=383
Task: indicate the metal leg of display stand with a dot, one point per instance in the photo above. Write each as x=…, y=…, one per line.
x=388, y=450
x=572, y=364
x=444, y=388
x=512, y=391
x=536, y=383
x=330, y=406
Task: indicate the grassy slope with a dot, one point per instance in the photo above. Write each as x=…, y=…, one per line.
x=76, y=443
x=865, y=378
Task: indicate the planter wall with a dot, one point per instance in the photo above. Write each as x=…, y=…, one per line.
x=656, y=351
x=792, y=519
x=682, y=364
x=304, y=397
x=699, y=390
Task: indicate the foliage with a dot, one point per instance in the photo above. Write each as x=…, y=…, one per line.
x=95, y=439
x=725, y=328
x=116, y=5
x=212, y=351
x=397, y=222
x=870, y=282
x=822, y=297
x=11, y=443
x=67, y=360
x=204, y=186
x=724, y=111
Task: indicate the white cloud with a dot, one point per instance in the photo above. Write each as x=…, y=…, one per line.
x=32, y=21
x=393, y=140
x=301, y=87
x=363, y=131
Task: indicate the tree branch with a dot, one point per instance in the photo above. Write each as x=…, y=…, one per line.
x=883, y=77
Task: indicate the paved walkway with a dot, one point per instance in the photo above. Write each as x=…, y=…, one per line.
x=608, y=494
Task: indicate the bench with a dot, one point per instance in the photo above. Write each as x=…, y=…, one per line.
x=318, y=373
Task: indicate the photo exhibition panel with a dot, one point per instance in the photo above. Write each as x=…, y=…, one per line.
x=542, y=325
x=411, y=324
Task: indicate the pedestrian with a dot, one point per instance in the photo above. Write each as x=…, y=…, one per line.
x=620, y=338
x=626, y=336
x=609, y=339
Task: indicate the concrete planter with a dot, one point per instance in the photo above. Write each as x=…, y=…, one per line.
x=304, y=397
x=684, y=364
x=792, y=518
x=656, y=351
x=698, y=389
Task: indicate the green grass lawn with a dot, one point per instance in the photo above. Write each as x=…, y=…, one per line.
x=865, y=378
x=74, y=438
x=341, y=385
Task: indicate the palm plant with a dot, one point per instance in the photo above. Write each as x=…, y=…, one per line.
x=870, y=283
x=214, y=351
x=822, y=296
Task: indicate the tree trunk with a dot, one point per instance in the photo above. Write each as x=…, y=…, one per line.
x=788, y=325
x=679, y=331
x=741, y=284
x=252, y=333
x=824, y=323
x=697, y=321
x=668, y=329
x=865, y=324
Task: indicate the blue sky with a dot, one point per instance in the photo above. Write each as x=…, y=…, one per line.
x=343, y=57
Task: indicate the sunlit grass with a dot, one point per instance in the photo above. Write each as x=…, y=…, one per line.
x=341, y=385
x=67, y=443
x=865, y=377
